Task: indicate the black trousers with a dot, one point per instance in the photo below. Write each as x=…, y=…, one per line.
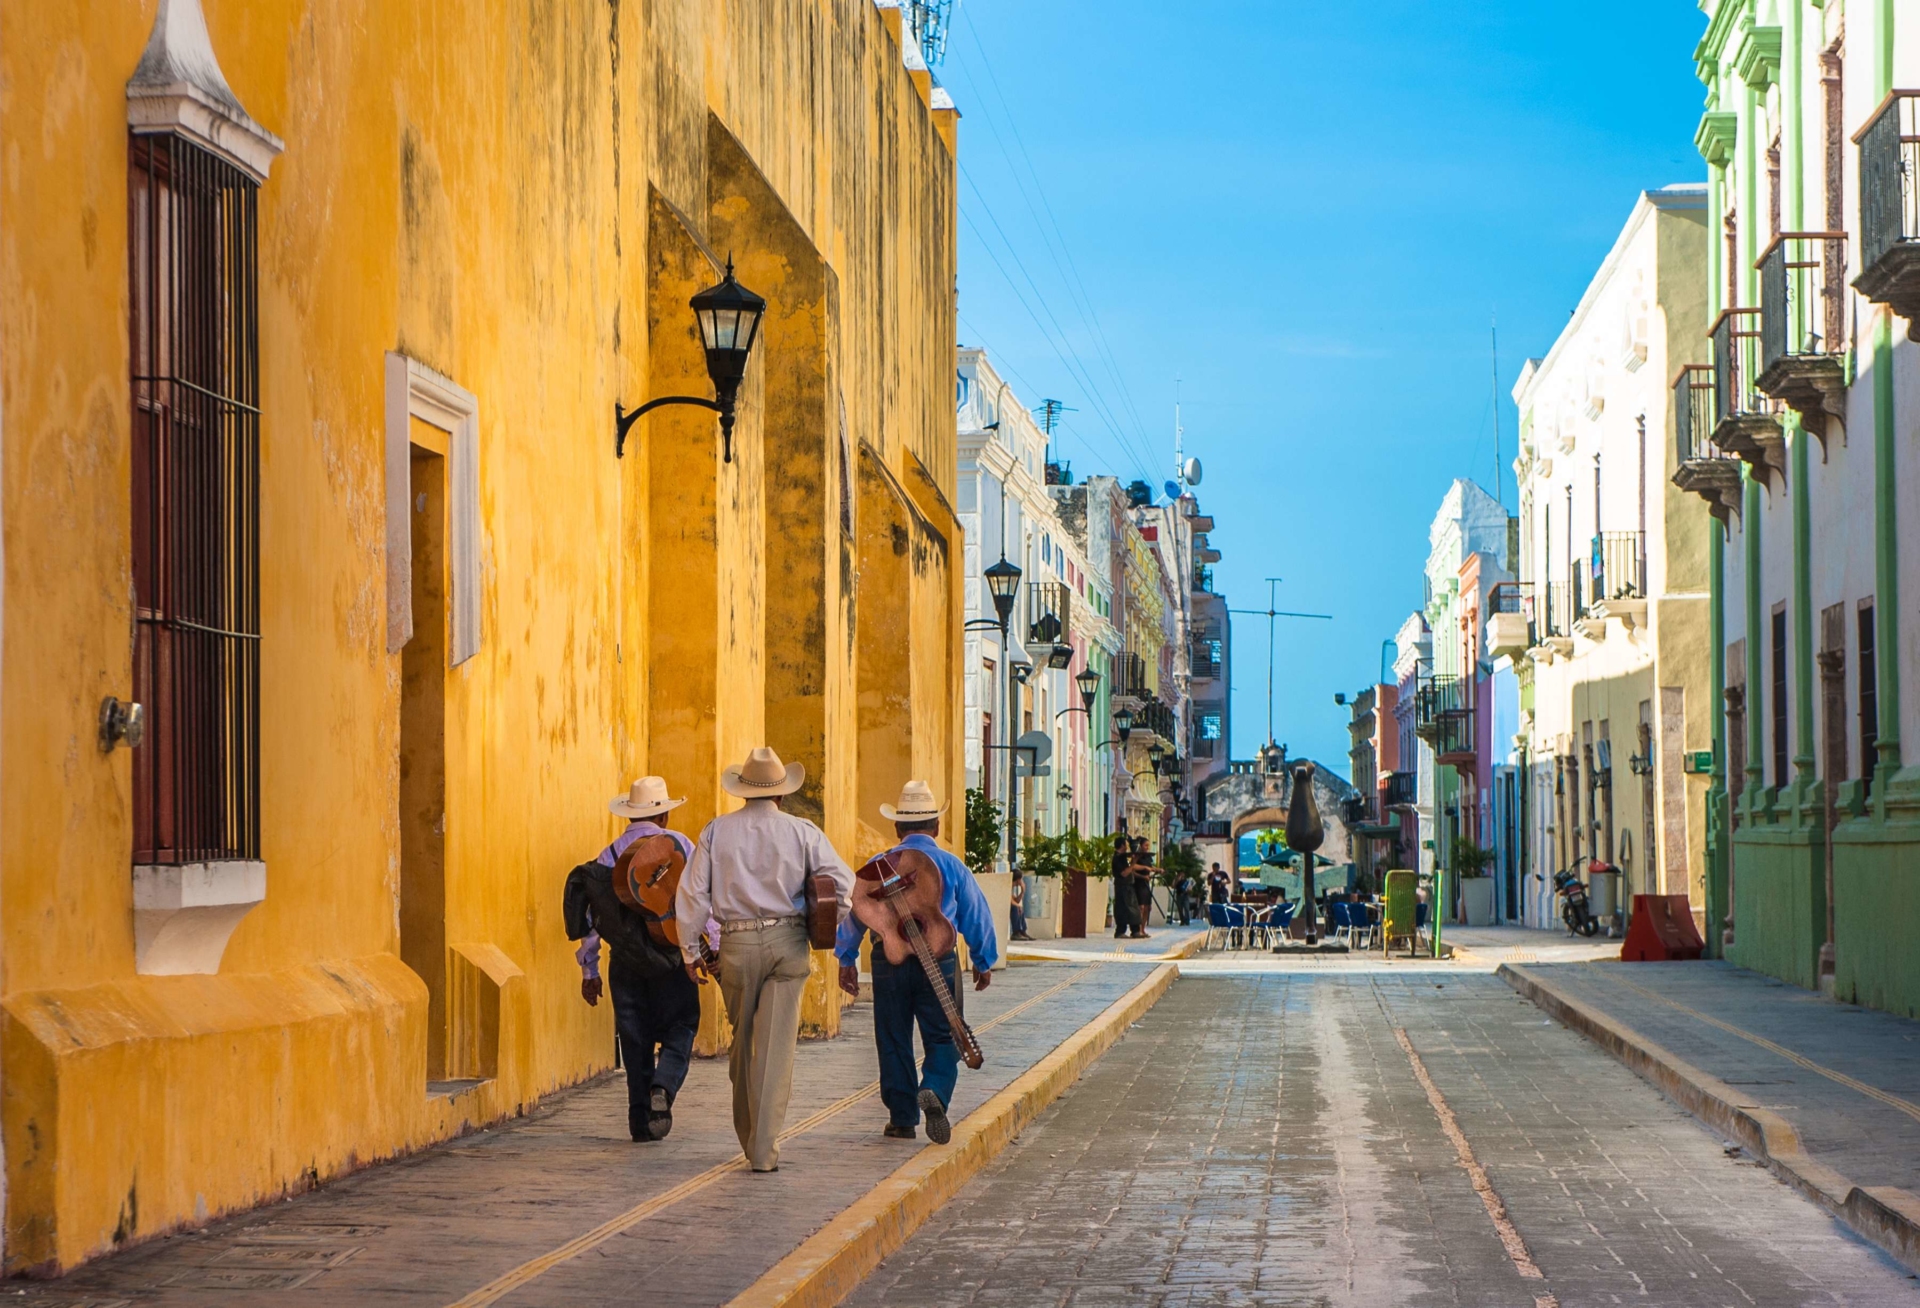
x=649, y=1012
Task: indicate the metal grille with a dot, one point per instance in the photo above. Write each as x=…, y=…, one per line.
x=1801, y=303
x=1890, y=178
x=1619, y=567
x=1693, y=414
x=196, y=491
x=1736, y=364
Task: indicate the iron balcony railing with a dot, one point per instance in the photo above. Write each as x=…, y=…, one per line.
x=1508, y=597
x=1736, y=363
x=1130, y=676
x=1203, y=580
x=1802, y=299
x=1048, y=610
x=1559, y=615
x=1889, y=184
x=1436, y=696
x=1693, y=414
x=1619, y=566
x=1453, y=736
x=1157, y=717
x=1403, y=789
x=1204, y=655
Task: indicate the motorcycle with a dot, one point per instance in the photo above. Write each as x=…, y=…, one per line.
x=1572, y=891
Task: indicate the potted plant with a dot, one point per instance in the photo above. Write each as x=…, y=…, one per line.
x=1470, y=864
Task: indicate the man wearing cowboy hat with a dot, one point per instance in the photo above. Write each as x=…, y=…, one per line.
x=903, y=996
x=653, y=1005
x=750, y=871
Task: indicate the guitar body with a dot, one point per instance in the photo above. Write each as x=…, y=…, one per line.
x=647, y=878
x=897, y=897
x=919, y=897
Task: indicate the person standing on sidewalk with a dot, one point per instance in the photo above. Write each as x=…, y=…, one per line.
x=1121, y=872
x=750, y=871
x=1017, y=908
x=655, y=1003
x=902, y=994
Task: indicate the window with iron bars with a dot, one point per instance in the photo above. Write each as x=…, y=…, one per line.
x=196, y=487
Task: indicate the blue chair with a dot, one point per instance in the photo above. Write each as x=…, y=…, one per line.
x=1342, y=921
x=1225, y=919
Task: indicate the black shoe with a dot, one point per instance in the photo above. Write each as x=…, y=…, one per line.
x=640, y=1132
x=659, y=1114
x=939, y=1130
x=895, y=1131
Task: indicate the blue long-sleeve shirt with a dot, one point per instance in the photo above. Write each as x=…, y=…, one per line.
x=961, y=900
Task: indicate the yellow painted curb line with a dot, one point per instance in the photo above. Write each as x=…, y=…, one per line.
x=1886, y=1215
x=831, y=1263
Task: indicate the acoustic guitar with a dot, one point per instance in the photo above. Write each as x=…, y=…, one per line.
x=897, y=896
x=646, y=879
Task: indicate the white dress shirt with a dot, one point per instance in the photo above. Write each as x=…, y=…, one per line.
x=753, y=864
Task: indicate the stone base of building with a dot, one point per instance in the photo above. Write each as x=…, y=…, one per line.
x=1780, y=894
x=1876, y=911
x=155, y=1103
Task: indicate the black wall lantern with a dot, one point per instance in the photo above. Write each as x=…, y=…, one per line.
x=729, y=316
x=1089, y=683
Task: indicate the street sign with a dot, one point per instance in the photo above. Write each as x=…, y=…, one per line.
x=1034, y=746
x=1699, y=760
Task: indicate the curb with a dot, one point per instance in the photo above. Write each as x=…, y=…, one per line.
x=833, y=1261
x=1886, y=1215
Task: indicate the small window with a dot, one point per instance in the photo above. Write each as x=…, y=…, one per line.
x=195, y=502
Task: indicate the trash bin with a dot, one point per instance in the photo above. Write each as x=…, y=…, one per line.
x=1603, y=898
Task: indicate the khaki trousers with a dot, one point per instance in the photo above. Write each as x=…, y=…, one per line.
x=762, y=974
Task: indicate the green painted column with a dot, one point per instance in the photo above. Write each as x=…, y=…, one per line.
x=1886, y=557
x=1718, y=849
x=1803, y=757
x=1756, y=698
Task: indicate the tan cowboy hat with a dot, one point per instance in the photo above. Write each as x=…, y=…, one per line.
x=645, y=798
x=917, y=804
x=763, y=776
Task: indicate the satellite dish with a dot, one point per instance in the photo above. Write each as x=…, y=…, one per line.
x=1191, y=471
x=1173, y=490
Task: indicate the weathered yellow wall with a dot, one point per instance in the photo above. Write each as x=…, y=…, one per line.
x=521, y=196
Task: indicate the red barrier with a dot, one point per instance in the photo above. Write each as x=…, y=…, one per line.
x=1661, y=931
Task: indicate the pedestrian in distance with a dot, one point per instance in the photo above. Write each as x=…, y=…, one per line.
x=1142, y=872
x=1125, y=905
x=1219, y=886
x=1017, y=908
x=656, y=1006
x=749, y=871
x=903, y=995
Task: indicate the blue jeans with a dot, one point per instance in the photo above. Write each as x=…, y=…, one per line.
x=902, y=997
x=664, y=1011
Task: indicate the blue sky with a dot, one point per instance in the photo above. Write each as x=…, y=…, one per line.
x=1308, y=215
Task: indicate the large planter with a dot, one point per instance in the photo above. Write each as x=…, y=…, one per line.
x=1476, y=901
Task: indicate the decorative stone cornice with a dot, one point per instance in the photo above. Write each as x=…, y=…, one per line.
x=1757, y=57
x=178, y=88
x=1715, y=136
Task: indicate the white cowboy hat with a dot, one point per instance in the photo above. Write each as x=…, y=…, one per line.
x=763, y=776
x=917, y=804
x=645, y=798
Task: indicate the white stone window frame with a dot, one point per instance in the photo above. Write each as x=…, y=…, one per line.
x=413, y=390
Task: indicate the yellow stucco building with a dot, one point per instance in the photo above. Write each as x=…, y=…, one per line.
x=313, y=320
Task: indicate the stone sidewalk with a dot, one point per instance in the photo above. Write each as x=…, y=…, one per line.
x=1518, y=944
x=1163, y=942
x=1748, y=1054
x=560, y=1208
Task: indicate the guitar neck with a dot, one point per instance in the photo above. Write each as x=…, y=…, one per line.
x=962, y=1034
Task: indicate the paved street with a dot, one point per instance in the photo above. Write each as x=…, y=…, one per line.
x=1266, y=1139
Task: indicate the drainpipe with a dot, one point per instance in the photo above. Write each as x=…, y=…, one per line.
x=1886, y=605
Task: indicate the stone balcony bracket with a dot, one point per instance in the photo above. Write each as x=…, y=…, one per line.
x=184, y=914
x=1760, y=441
x=1631, y=613
x=1813, y=386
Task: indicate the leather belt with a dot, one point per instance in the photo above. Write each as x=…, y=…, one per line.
x=756, y=923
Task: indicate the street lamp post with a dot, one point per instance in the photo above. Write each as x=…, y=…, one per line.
x=1018, y=670
x=729, y=317
x=1003, y=583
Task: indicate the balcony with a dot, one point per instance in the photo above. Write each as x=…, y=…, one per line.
x=1049, y=606
x=1746, y=420
x=1205, y=657
x=1130, y=676
x=1702, y=468
x=1154, y=718
x=1203, y=580
x=1617, y=581
x=1553, y=618
x=1890, y=207
x=1510, y=619
x=1443, y=717
x=1803, y=324
x=1403, y=789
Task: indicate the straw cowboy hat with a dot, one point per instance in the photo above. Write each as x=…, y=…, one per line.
x=763, y=776
x=647, y=797
x=917, y=804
